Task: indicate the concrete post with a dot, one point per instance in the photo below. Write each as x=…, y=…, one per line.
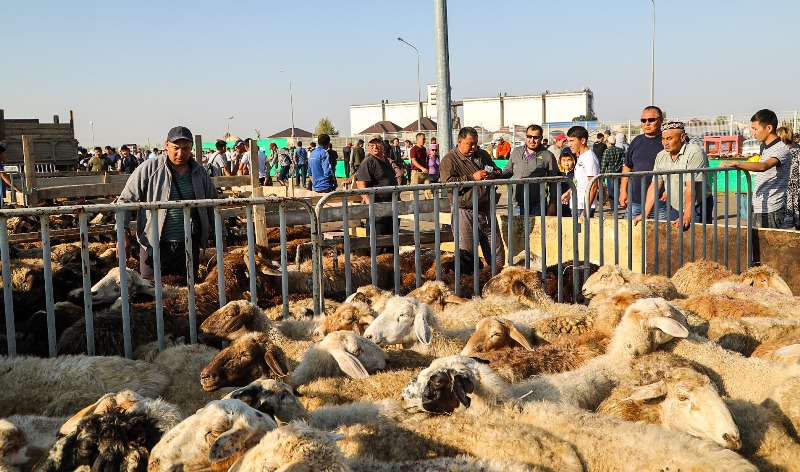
x=444, y=128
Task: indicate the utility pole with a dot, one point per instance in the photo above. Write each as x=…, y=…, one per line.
x=444, y=130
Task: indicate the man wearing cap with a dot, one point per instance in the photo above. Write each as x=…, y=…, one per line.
x=556, y=147
x=376, y=171
x=503, y=149
x=357, y=157
x=641, y=156
x=468, y=163
x=239, y=149
x=176, y=176
x=681, y=155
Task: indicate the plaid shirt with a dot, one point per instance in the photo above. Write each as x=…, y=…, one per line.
x=612, y=160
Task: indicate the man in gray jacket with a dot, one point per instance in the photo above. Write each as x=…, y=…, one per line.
x=532, y=160
x=176, y=176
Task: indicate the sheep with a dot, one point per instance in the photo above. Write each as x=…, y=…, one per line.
x=610, y=277
x=449, y=464
x=709, y=306
x=783, y=349
x=467, y=314
x=294, y=446
x=33, y=335
x=778, y=304
x=663, y=390
x=185, y=364
x=247, y=358
x=13, y=447
x=602, y=442
x=211, y=439
x=743, y=335
x=516, y=274
x=333, y=280
x=24, y=439
x=339, y=352
x=694, y=278
x=495, y=333
x=436, y=294
x=415, y=325
x=64, y=384
x=518, y=282
x=371, y=295
x=350, y=316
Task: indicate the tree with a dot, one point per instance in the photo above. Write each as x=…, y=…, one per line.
x=325, y=127
x=589, y=117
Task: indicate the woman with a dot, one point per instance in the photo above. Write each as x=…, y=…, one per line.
x=793, y=191
x=433, y=163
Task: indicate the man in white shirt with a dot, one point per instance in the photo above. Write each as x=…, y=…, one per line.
x=586, y=168
x=217, y=162
x=245, y=168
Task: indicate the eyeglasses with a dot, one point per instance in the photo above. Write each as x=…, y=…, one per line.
x=649, y=120
x=532, y=137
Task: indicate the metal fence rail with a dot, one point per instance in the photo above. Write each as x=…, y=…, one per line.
x=83, y=212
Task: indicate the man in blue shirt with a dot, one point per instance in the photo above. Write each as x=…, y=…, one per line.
x=641, y=156
x=300, y=159
x=319, y=166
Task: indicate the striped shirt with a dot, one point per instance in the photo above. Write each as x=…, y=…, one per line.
x=173, y=224
x=769, y=193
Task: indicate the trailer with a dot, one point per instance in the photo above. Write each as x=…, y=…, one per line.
x=54, y=144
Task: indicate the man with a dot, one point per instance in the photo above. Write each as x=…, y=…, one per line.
x=586, y=167
x=284, y=162
x=772, y=171
x=333, y=158
x=217, y=163
x=467, y=163
x=532, y=160
x=245, y=168
x=83, y=158
x=611, y=162
x=357, y=157
x=153, y=154
x=98, y=162
x=127, y=163
x=418, y=160
x=300, y=160
x=112, y=156
x=600, y=146
x=641, y=156
x=176, y=176
x=622, y=141
x=376, y=171
x=239, y=148
x=680, y=155
x=503, y=148
x=346, y=155
x=319, y=166
x=556, y=147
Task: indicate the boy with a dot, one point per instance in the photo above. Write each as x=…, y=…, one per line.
x=567, y=164
x=586, y=167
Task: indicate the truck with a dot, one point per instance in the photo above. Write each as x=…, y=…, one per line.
x=54, y=145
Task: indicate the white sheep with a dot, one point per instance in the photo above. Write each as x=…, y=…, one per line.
x=354, y=315
x=414, y=325
x=211, y=439
x=743, y=335
x=466, y=315
x=339, y=352
x=611, y=277
x=63, y=385
x=778, y=304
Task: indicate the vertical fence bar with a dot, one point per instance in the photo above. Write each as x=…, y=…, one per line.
x=48, y=285
x=668, y=225
x=123, y=288
x=643, y=198
x=615, y=209
x=493, y=226
x=476, y=283
x=560, y=237
x=159, y=288
x=526, y=224
x=83, y=222
x=284, y=260
x=348, y=273
x=510, y=220
x=542, y=229
x=456, y=246
x=317, y=289
x=693, y=199
x=373, y=240
x=251, y=257
x=8, y=295
x=703, y=204
x=576, y=287
x=600, y=218
x=715, y=235
x=748, y=178
x=187, y=248
x=396, y=240
x=417, y=244
x=629, y=216
x=738, y=220
x=656, y=211
x=220, y=244
x=437, y=236
x=727, y=223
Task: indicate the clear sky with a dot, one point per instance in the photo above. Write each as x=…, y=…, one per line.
x=138, y=68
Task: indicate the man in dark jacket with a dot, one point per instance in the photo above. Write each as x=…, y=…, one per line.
x=467, y=163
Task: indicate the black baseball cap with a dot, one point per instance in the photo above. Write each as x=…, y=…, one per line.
x=179, y=133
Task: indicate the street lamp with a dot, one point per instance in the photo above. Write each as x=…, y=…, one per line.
x=229, y=126
x=653, y=57
x=291, y=101
x=419, y=99
x=92, y=123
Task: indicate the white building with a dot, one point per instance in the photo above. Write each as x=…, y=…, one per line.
x=491, y=113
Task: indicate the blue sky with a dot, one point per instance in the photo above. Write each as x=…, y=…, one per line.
x=137, y=68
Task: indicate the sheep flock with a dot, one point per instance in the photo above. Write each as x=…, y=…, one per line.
x=698, y=371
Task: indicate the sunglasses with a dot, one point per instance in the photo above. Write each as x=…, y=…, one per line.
x=649, y=120
x=532, y=137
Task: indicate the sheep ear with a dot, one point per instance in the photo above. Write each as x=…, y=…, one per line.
x=646, y=392
x=273, y=359
x=516, y=335
x=669, y=326
x=617, y=279
x=518, y=288
x=227, y=445
x=105, y=402
x=462, y=385
x=788, y=351
x=421, y=327
x=349, y=364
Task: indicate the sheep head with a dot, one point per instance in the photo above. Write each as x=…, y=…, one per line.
x=354, y=355
x=517, y=282
x=436, y=294
x=123, y=401
x=13, y=444
x=273, y=398
x=606, y=278
x=107, y=290
x=492, y=334
x=353, y=316
x=403, y=321
x=692, y=404
x=294, y=446
x=246, y=359
x=448, y=382
x=232, y=321
x=766, y=277
x=645, y=325
x=211, y=439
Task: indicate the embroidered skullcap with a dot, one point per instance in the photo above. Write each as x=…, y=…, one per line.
x=672, y=125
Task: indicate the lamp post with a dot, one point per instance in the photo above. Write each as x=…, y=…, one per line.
x=291, y=102
x=653, y=57
x=92, y=124
x=419, y=99
x=229, y=127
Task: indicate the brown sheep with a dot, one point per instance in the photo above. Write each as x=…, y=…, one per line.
x=707, y=306
x=436, y=294
x=494, y=334
x=515, y=276
x=250, y=357
x=769, y=349
x=568, y=353
x=694, y=278
x=352, y=316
